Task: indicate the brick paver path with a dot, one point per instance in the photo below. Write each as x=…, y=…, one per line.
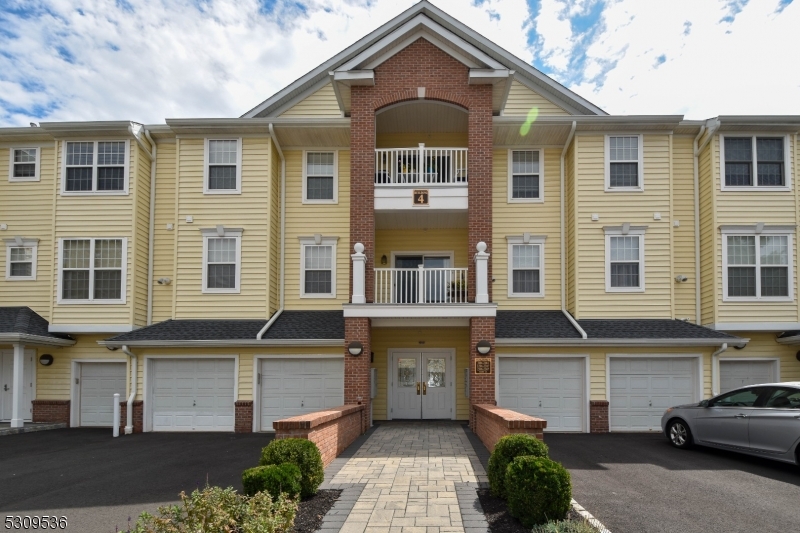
x=417, y=477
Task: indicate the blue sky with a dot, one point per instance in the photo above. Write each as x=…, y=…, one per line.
x=147, y=60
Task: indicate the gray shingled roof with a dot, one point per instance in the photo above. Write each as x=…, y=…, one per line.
x=25, y=321
x=534, y=325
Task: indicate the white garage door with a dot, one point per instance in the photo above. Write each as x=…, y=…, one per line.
x=291, y=387
x=552, y=389
x=193, y=394
x=735, y=374
x=642, y=389
x=98, y=383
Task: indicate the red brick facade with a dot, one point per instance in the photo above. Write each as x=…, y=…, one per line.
x=356, y=368
x=55, y=411
x=332, y=430
x=481, y=386
x=492, y=423
x=138, y=416
x=244, y=416
x=598, y=416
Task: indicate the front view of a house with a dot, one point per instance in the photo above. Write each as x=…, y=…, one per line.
x=421, y=224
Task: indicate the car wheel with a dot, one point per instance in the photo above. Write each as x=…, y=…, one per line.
x=679, y=434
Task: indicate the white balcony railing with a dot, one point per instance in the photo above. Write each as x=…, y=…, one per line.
x=420, y=285
x=421, y=165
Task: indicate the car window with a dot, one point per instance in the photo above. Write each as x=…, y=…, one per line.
x=738, y=398
x=784, y=398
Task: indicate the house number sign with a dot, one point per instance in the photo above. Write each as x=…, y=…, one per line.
x=421, y=197
x=483, y=365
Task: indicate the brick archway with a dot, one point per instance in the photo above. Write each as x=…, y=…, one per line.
x=409, y=95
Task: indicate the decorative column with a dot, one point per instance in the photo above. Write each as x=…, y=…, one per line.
x=481, y=366
x=481, y=274
x=18, y=384
x=359, y=274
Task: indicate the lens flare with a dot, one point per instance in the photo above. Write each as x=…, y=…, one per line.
x=532, y=115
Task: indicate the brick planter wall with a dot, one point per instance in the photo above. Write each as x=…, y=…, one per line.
x=138, y=416
x=332, y=430
x=244, y=416
x=598, y=416
x=56, y=411
x=492, y=423
x=481, y=386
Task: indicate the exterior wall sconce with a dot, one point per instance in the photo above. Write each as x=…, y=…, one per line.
x=355, y=348
x=46, y=359
x=383, y=259
x=483, y=347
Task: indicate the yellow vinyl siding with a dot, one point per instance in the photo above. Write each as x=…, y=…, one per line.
x=510, y=219
x=164, y=239
x=322, y=103
x=684, y=235
x=248, y=210
x=306, y=220
x=384, y=339
x=710, y=262
x=431, y=140
x=140, y=189
x=418, y=240
x=27, y=208
x=274, y=229
x=614, y=209
x=521, y=100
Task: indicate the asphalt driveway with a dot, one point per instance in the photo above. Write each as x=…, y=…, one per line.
x=638, y=483
x=98, y=482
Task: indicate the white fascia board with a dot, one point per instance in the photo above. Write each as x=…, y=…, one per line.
x=755, y=326
x=619, y=342
x=33, y=340
x=212, y=126
x=91, y=328
x=61, y=130
x=419, y=310
x=420, y=322
x=355, y=77
x=483, y=76
x=617, y=121
x=232, y=343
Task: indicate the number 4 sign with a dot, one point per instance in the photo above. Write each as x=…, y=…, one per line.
x=421, y=197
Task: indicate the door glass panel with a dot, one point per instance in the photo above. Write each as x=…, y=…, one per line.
x=784, y=399
x=407, y=372
x=436, y=281
x=741, y=398
x=406, y=281
x=436, y=372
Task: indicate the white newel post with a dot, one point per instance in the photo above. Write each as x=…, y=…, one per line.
x=359, y=274
x=481, y=274
x=18, y=392
x=115, y=429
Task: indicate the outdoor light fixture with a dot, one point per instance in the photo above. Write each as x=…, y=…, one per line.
x=355, y=348
x=484, y=347
x=46, y=359
x=383, y=259
x=797, y=355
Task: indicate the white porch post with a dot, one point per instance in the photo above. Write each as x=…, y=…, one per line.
x=359, y=274
x=18, y=393
x=481, y=274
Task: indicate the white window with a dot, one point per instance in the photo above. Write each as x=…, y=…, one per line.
x=222, y=260
x=92, y=270
x=21, y=259
x=526, y=265
x=23, y=164
x=99, y=167
x=526, y=176
x=318, y=267
x=320, y=177
x=750, y=162
x=624, y=168
x=757, y=266
x=223, y=166
x=625, y=259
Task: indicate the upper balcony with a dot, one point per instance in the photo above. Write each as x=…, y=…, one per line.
x=420, y=166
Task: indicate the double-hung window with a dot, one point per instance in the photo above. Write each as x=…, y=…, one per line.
x=23, y=164
x=623, y=163
x=624, y=259
x=318, y=267
x=95, y=167
x=222, y=260
x=21, y=259
x=525, y=266
x=320, y=177
x=92, y=270
x=755, y=162
x=223, y=166
x=758, y=266
x=526, y=176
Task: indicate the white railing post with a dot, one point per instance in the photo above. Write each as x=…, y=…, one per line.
x=421, y=164
x=359, y=274
x=481, y=274
x=421, y=285
x=115, y=430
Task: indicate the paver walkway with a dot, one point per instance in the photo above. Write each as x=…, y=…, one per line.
x=414, y=477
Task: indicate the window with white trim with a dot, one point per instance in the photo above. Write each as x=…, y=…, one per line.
x=23, y=164
x=623, y=163
x=525, y=266
x=318, y=267
x=624, y=259
x=755, y=161
x=21, y=259
x=320, y=177
x=222, y=260
x=95, y=167
x=223, y=166
x=92, y=270
x=526, y=176
x=757, y=266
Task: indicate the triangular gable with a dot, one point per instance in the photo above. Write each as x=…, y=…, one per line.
x=320, y=103
x=521, y=100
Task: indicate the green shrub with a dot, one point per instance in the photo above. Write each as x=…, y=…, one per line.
x=215, y=509
x=274, y=479
x=564, y=526
x=506, y=449
x=302, y=453
x=538, y=490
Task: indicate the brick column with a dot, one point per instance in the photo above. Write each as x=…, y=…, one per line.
x=244, y=416
x=356, y=368
x=54, y=411
x=362, y=182
x=138, y=416
x=481, y=386
x=480, y=144
x=598, y=416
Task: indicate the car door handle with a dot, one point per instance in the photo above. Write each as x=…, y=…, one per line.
x=740, y=415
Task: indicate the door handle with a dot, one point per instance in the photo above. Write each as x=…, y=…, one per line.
x=540, y=403
x=651, y=403
x=194, y=403
x=417, y=388
x=5, y=387
x=424, y=388
x=740, y=415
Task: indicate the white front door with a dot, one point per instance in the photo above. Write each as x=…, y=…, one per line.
x=422, y=385
x=7, y=384
x=98, y=384
x=735, y=374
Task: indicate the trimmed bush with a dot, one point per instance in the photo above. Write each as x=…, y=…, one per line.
x=506, y=449
x=538, y=490
x=273, y=479
x=302, y=453
x=564, y=526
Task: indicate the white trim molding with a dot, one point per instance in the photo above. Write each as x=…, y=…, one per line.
x=639, y=162
x=22, y=242
x=787, y=163
x=238, y=188
x=526, y=240
x=625, y=230
x=419, y=310
x=94, y=165
x=757, y=231
x=36, y=162
x=335, y=199
x=92, y=328
x=317, y=240
x=754, y=326
x=91, y=300
x=540, y=162
x=221, y=232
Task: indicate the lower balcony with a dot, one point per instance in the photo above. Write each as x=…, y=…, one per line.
x=420, y=285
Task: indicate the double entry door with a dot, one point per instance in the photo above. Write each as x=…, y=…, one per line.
x=422, y=384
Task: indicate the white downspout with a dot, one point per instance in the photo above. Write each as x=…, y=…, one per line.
x=715, y=368
x=563, y=242
x=697, y=313
x=283, y=234
x=150, y=243
x=134, y=384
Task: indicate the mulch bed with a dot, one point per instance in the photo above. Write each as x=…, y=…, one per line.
x=500, y=520
x=311, y=511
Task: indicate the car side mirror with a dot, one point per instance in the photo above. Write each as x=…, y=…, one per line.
x=704, y=403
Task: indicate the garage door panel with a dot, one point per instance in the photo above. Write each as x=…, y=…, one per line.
x=735, y=374
x=98, y=384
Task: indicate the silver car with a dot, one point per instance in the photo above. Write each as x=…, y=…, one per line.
x=762, y=420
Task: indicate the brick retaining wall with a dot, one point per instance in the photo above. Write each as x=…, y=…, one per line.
x=492, y=423
x=244, y=416
x=56, y=411
x=138, y=416
x=332, y=430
